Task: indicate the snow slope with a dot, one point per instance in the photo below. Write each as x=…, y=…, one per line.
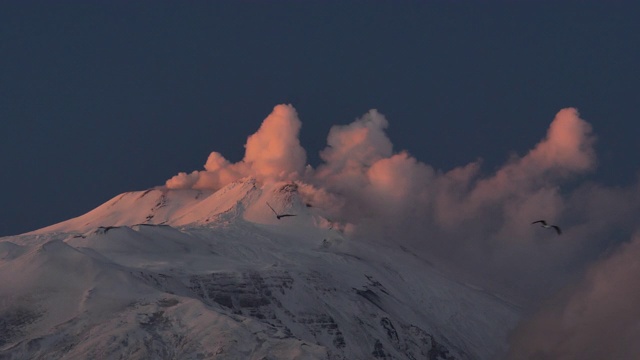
x=185, y=274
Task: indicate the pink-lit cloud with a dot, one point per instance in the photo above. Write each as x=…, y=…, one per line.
x=354, y=147
x=380, y=187
x=394, y=193
x=272, y=153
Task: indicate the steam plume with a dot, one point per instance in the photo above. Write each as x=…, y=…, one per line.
x=273, y=153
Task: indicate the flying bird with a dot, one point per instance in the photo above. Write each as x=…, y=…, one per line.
x=278, y=216
x=546, y=226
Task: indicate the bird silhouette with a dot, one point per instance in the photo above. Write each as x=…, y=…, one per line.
x=547, y=226
x=278, y=216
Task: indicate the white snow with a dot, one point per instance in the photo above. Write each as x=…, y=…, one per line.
x=190, y=274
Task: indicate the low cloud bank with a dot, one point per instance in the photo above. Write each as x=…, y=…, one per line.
x=597, y=318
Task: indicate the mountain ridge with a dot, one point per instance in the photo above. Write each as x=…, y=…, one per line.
x=194, y=274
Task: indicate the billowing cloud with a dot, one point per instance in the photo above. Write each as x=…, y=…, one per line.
x=567, y=147
x=567, y=150
x=272, y=153
x=477, y=223
x=395, y=196
x=183, y=180
x=353, y=148
x=491, y=214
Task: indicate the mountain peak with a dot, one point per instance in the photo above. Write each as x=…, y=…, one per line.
x=245, y=198
x=190, y=273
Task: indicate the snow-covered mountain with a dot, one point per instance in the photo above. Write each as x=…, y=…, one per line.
x=187, y=274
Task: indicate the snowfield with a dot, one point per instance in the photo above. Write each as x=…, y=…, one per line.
x=187, y=274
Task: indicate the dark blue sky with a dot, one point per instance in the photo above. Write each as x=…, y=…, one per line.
x=100, y=98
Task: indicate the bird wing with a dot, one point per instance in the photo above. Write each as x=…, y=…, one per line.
x=557, y=229
x=285, y=215
x=272, y=210
x=540, y=221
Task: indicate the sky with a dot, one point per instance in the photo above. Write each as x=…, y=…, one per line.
x=101, y=98
x=445, y=126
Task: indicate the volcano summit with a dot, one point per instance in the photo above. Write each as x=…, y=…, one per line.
x=195, y=274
